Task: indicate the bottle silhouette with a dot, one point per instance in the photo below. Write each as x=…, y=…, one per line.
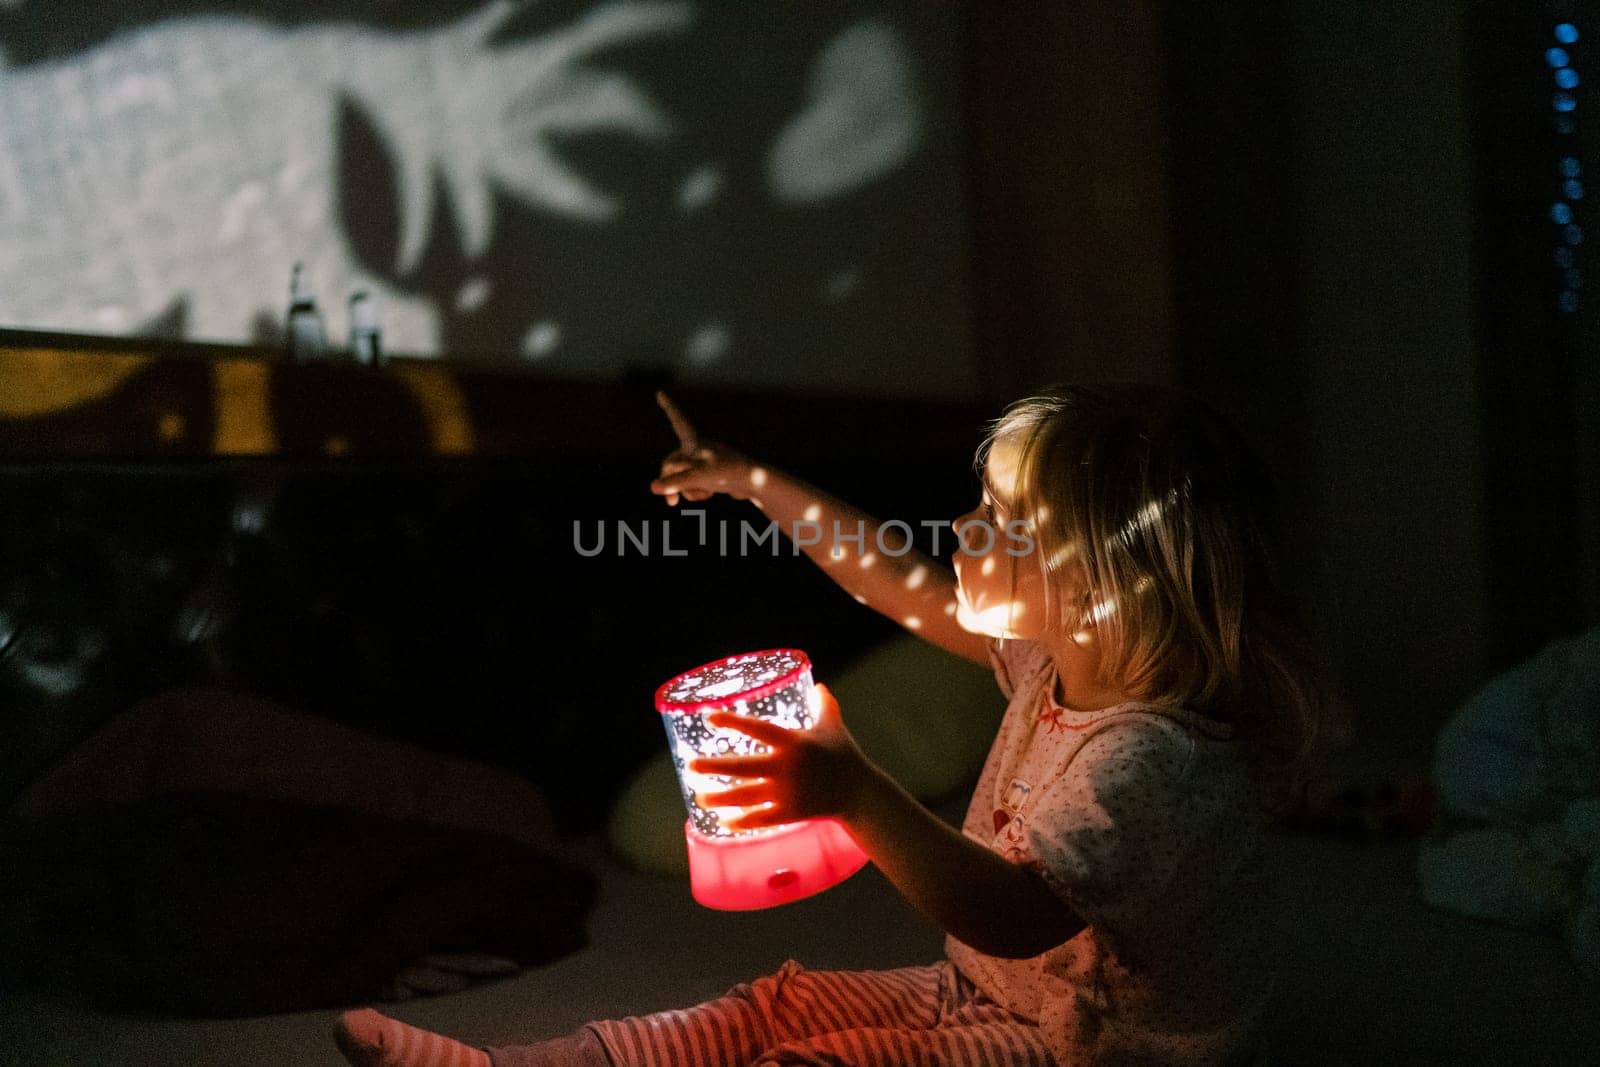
x=365, y=332
x=304, y=333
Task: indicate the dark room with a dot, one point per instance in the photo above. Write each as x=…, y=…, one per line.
x=701, y=533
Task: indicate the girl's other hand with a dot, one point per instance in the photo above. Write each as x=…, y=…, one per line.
x=806, y=774
x=696, y=470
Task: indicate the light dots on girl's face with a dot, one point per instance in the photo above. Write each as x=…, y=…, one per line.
x=950, y=608
x=868, y=560
x=912, y=622
x=813, y=513
x=919, y=574
x=758, y=477
x=994, y=621
x=860, y=599
x=988, y=566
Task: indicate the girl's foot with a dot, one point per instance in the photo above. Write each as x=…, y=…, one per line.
x=369, y=1039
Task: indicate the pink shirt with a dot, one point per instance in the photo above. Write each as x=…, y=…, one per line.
x=1146, y=822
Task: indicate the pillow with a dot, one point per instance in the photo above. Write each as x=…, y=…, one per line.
x=208, y=739
x=925, y=716
x=217, y=904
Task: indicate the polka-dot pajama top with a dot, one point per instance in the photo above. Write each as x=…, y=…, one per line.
x=1146, y=822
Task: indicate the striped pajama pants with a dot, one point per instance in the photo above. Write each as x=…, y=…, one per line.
x=911, y=1017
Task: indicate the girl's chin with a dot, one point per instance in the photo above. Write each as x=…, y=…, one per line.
x=990, y=622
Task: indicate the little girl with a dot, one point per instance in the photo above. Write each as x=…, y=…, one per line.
x=1103, y=900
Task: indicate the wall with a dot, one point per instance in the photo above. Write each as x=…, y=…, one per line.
x=1383, y=212
x=1069, y=195
x=1305, y=262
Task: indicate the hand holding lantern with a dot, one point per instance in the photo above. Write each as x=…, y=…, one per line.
x=763, y=781
x=804, y=774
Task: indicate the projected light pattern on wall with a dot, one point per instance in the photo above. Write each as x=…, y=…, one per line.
x=745, y=194
x=1561, y=58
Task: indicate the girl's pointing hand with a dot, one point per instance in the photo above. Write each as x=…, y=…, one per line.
x=805, y=774
x=698, y=470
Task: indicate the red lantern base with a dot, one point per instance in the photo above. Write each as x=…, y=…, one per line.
x=771, y=867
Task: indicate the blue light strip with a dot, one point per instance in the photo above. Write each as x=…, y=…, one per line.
x=1562, y=58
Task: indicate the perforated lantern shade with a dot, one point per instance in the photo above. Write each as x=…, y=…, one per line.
x=747, y=869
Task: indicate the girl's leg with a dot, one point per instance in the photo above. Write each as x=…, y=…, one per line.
x=369, y=1039
x=996, y=1038
x=790, y=1006
x=925, y=1015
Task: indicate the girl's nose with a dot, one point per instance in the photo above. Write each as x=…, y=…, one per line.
x=965, y=522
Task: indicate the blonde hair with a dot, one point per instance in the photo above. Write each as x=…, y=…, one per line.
x=1156, y=519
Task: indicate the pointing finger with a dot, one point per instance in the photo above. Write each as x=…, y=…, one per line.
x=688, y=440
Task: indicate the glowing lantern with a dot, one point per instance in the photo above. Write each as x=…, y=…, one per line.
x=746, y=869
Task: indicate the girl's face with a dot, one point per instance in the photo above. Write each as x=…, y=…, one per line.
x=999, y=576
x=1000, y=572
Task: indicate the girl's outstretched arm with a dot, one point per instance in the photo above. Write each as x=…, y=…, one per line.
x=971, y=892
x=877, y=566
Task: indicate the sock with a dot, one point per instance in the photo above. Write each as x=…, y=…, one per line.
x=369, y=1039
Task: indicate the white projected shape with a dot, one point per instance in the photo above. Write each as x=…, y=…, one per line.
x=194, y=159
x=860, y=122
x=473, y=294
x=842, y=285
x=699, y=189
x=541, y=340
x=707, y=344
